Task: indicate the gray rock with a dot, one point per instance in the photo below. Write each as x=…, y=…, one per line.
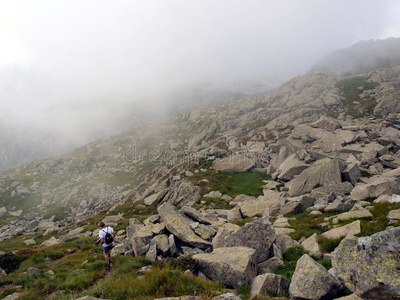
x=119, y=249
x=390, y=161
x=205, y=232
x=183, y=193
x=326, y=123
x=30, y=242
x=162, y=244
x=285, y=242
x=13, y=296
x=269, y=265
x=353, y=228
x=151, y=200
x=138, y=246
x=227, y=296
x=258, y=235
x=312, y=281
x=235, y=214
x=381, y=253
x=152, y=252
x=291, y=167
x=237, y=162
x=325, y=172
x=213, y=194
x=223, y=232
x=172, y=245
x=269, y=284
x=179, y=226
x=311, y=245
x=354, y=214
x=234, y=266
x=195, y=214
x=351, y=173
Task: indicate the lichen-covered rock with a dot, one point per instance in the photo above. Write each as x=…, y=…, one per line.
x=324, y=172
x=205, y=232
x=234, y=266
x=179, y=226
x=369, y=266
x=269, y=284
x=225, y=230
x=312, y=281
x=162, y=244
x=258, y=235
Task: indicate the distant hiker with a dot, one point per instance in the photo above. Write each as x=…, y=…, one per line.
x=106, y=236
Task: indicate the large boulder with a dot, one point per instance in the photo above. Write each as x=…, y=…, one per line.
x=312, y=281
x=179, y=226
x=181, y=193
x=369, y=266
x=291, y=167
x=234, y=266
x=326, y=123
x=236, y=162
x=384, y=184
x=325, y=172
x=258, y=235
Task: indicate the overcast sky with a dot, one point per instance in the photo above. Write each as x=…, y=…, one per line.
x=77, y=55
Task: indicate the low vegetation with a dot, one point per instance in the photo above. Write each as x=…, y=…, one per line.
x=231, y=183
x=351, y=89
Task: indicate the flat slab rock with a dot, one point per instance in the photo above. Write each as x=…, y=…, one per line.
x=324, y=172
x=234, y=266
x=180, y=226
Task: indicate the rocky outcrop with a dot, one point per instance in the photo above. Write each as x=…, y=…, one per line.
x=312, y=281
x=234, y=266
x=179, y=226
x=324, y=172
x=369, y=266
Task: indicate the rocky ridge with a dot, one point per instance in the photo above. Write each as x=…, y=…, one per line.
x=323, y=162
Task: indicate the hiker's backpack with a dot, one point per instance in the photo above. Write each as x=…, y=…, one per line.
x=108, y=238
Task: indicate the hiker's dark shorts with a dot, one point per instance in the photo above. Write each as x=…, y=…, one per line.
x=107, y=249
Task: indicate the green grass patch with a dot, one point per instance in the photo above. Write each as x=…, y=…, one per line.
x=328, y=245
x=379, y=222
x=290, y=258
x=160, y=281
x=215, y=203
x=231, y=183
x=305, y=224
x=351, y=89
x=244, y=291
x=243, y=222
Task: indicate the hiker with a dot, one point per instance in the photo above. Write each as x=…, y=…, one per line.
x=106, y=236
